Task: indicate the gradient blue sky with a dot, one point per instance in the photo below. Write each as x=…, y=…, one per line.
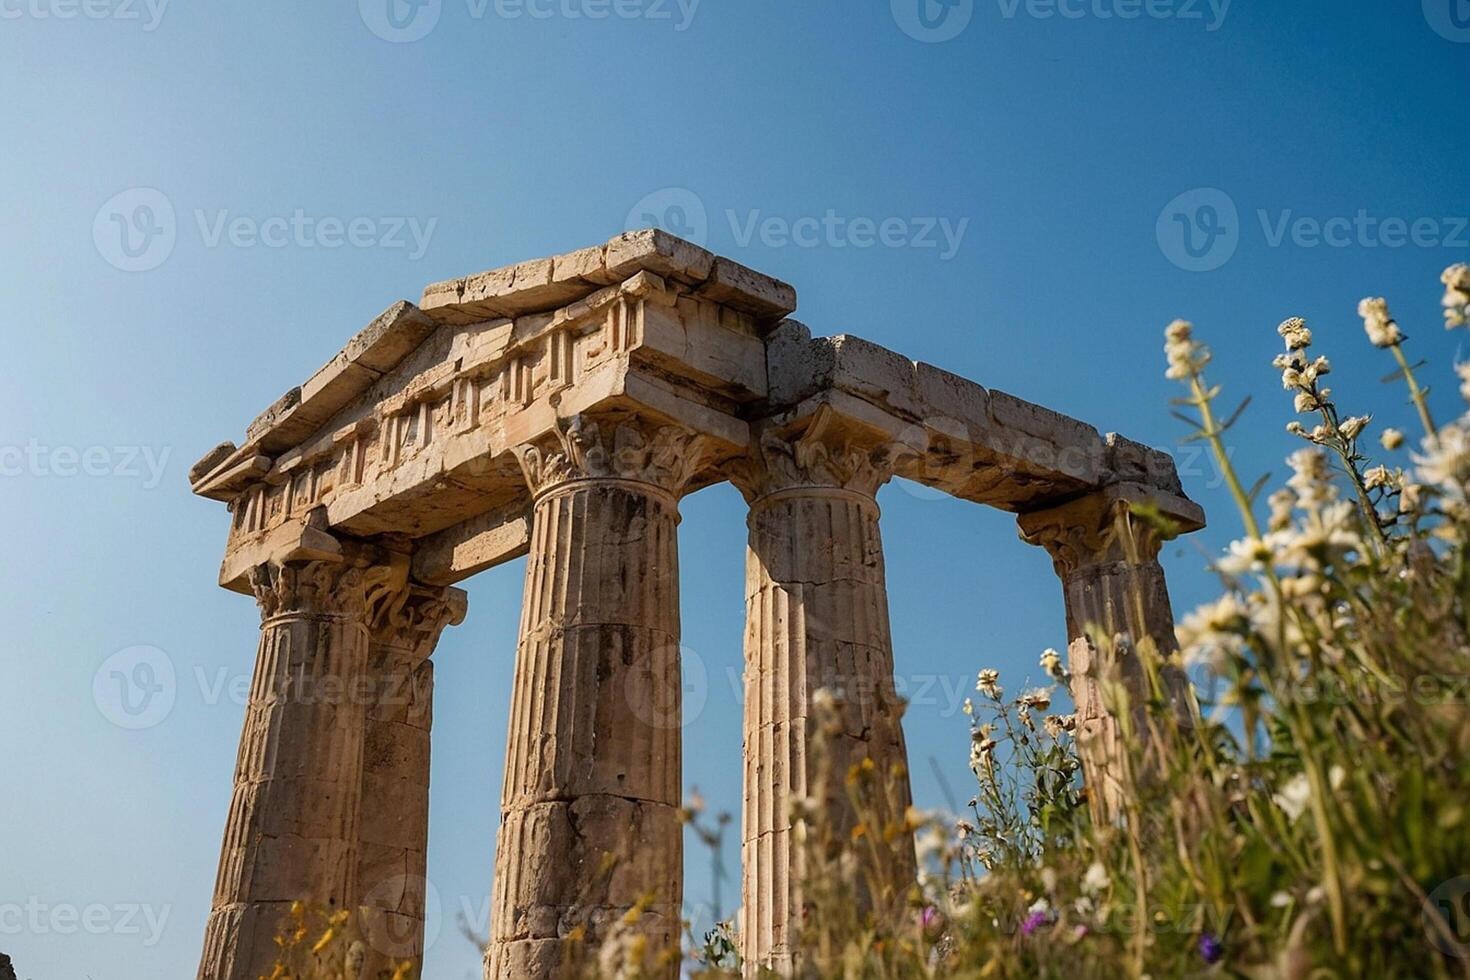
x=1060, y=141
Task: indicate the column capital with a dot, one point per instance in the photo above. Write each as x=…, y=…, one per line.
x=628, y=448
x=825, y=455
x=1123, y=522
x=411, y=618
x=320, y=587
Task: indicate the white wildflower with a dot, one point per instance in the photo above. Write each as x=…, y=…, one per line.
x=1186, y=355
x=1294, y=331
x=1040, y=699
x=1294, y=796
x=1380, y=325
x=1354, y=426
x=1391, y=439
x=1213, y=632
x=1380, y=477
x=1051, y=662
x=1456, y=281
x=1244, y=555
x=1282, y=502
x=1325, y=535
x=1311, y=478
x=1096, y=879
x=986, y=684
x=1445, y=461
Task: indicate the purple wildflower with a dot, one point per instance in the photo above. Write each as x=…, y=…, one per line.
x=1210, y=948
x=1033, y=922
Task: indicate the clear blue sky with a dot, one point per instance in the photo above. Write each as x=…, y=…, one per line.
x=1058, y=141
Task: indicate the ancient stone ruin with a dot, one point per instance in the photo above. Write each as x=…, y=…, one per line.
x=560, y=409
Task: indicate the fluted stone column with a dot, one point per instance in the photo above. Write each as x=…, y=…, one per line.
x=406, y=621
x=294, y=817
x=816, y=618
x=589, y=823
x=1106, y=553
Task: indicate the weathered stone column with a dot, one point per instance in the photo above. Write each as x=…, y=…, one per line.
x=1105, y=548
x=406, y=621
x=592, y=774
x=816, y=617
x=293, y=825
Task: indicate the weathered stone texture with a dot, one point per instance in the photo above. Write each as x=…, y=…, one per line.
x=1107, y=557
x=294, y=818
x=593, y=757
x=394, y=834
x=816, y=618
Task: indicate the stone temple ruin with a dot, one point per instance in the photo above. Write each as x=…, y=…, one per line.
x=560, y=408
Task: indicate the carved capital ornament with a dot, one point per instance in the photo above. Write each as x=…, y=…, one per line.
x=665, y=456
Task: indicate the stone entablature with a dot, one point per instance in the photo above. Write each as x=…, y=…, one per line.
x=561, y=408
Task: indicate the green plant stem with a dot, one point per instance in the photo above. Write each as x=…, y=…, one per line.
x=1212, y=432
x=1415, y=392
